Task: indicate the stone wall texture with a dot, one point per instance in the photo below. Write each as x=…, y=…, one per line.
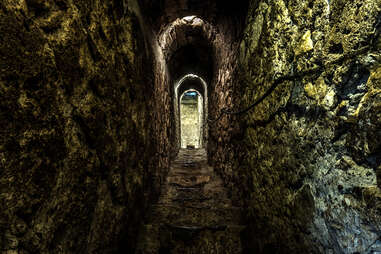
x=76, y=146
x=88, y=123
x=306, y=160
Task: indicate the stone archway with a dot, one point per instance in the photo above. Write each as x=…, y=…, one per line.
x=201, y=88
x=191, y=118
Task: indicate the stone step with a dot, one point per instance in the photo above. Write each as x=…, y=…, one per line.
x=172, y=238
x=190, y=173
x=196, y=215
x=180, y=197
x=192, y=181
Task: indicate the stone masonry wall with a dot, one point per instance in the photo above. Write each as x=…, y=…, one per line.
x=76, y=150
x=308, y=159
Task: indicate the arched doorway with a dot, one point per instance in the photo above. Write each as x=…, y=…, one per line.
x=191, y=84
x=191, y=119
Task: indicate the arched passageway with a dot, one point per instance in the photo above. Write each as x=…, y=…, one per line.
x=187, y=83
x=194, y=56
x=289, y=142
x=191, y=119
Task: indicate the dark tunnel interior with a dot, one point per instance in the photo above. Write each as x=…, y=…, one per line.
x=189, y=126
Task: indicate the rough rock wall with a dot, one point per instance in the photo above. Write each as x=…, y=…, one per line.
x=76, y=150
x=224, y=128
x=309, y=159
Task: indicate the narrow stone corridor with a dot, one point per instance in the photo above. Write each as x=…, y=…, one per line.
x=190, y=126
x=194, y=213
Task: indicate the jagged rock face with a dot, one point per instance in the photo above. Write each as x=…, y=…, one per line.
x=308, y=161
x=75, y=145
x=88, y=123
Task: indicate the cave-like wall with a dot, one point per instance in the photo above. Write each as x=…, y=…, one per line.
x=87, y=119
x=224, y=128
x=308, y=155
x=76, y=147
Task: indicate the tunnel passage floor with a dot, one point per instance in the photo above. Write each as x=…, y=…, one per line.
x=194, y=213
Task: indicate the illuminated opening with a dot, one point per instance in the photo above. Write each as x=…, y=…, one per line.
x=191, y=119
x=189, y=18
x=193, y=87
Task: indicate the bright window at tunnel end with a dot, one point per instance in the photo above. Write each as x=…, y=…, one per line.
x=193, y=19
x=192, y=93
x=189, y=18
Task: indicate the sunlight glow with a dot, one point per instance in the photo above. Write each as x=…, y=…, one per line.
x=188, y=18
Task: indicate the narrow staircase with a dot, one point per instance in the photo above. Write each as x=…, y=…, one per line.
x=193, y=214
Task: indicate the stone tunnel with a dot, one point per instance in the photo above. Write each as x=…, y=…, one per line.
x=97, y=150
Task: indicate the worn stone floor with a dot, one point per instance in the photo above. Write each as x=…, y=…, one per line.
x=194, y=213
